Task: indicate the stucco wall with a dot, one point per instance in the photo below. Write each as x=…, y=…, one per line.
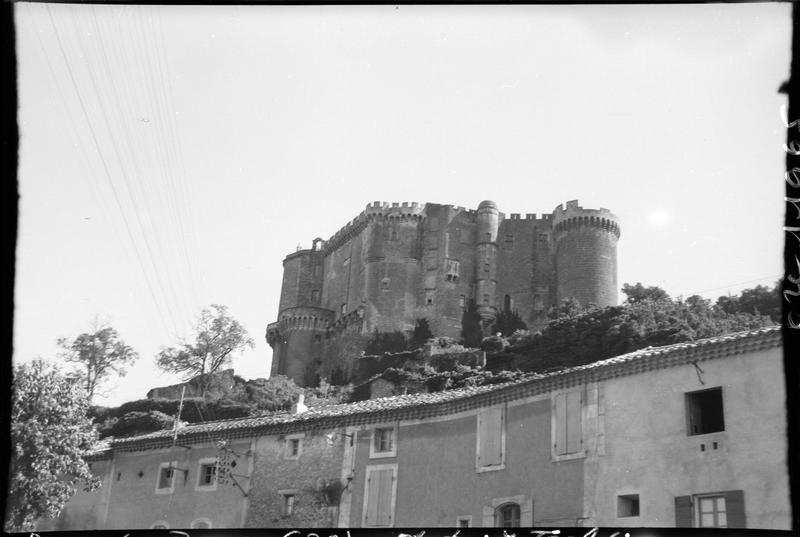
x=85, y=510
x=135, y=503
x=648, y=451
x=437, y=478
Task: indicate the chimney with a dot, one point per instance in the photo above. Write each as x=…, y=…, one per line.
x=299, y=407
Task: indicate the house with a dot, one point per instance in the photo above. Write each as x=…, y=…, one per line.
x=692, y=434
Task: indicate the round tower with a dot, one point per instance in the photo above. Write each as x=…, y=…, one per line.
x=585, y=254
x=296, y=338
x=488, y=222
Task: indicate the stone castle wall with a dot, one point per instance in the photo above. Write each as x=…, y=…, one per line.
x=395, y=263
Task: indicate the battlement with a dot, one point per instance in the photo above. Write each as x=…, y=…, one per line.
x=572, y=216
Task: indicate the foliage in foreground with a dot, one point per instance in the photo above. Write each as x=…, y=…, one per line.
x=50, y=433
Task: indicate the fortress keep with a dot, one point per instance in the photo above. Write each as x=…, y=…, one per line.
x=395, y=263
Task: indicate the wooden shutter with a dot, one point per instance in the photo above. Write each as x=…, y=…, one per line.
x=683, y=511
x=490, y=435
x=573, y=425
x=561, y=422
x=379, y=497
x=734, y=506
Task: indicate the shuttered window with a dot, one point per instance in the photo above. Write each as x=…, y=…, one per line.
x=715, y=510
x=380, y=496
x=568, y=434
x=490, y=437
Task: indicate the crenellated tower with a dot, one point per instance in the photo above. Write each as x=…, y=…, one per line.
x=586, y=254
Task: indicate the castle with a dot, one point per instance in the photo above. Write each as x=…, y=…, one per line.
x=396, y=263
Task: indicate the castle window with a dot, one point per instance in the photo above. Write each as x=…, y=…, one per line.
x=317, y=338
x=486, y=267
x=452, y=267
x=385, y=283
x=508, y=243
x=393, y=235
x=486, y=300
x=507, y=303
x=343, y=309
x=462, y=301
x=315, y=296
x=487, y=237
x=429, y=296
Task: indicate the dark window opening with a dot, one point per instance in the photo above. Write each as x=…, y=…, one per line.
x=507, y=303
x=704, y=412
x=628, y=505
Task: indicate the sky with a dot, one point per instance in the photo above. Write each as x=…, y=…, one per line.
x=172, y=156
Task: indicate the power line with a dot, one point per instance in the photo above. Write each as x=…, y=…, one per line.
x=104, y=163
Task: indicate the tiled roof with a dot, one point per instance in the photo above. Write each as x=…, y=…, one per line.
x=423, y=405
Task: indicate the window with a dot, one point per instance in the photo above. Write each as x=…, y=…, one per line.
x=464, y=521
x=704, y=412
x=294, y=446
x=343, y=309
x=288, y=504
x=383, y=442
x=486, y=300
x=567, y=433
x=627, y=505
x=462, y=301
x=487, y=237
x=452, y=267
x=486, y=267
x=507, y=303
x=380, y=489
x=713, y=510
x=201, y=524
x=385, y=283
x=509, y=512
x=207, y=474
x=314, y=296
x=491, y=440
x=166, y=477
x=160, y=525
x=507, y=516
x=508, y=243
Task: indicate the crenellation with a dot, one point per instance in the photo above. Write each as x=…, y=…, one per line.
x=398, y=268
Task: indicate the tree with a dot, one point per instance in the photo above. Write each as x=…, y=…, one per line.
x=50, y=432
x=638, y=293
x=569, y=307
x=386, y=342
x=507, y=322
x=217, y=337
x=471, y=327
x=98, y=355
x=422, y=333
